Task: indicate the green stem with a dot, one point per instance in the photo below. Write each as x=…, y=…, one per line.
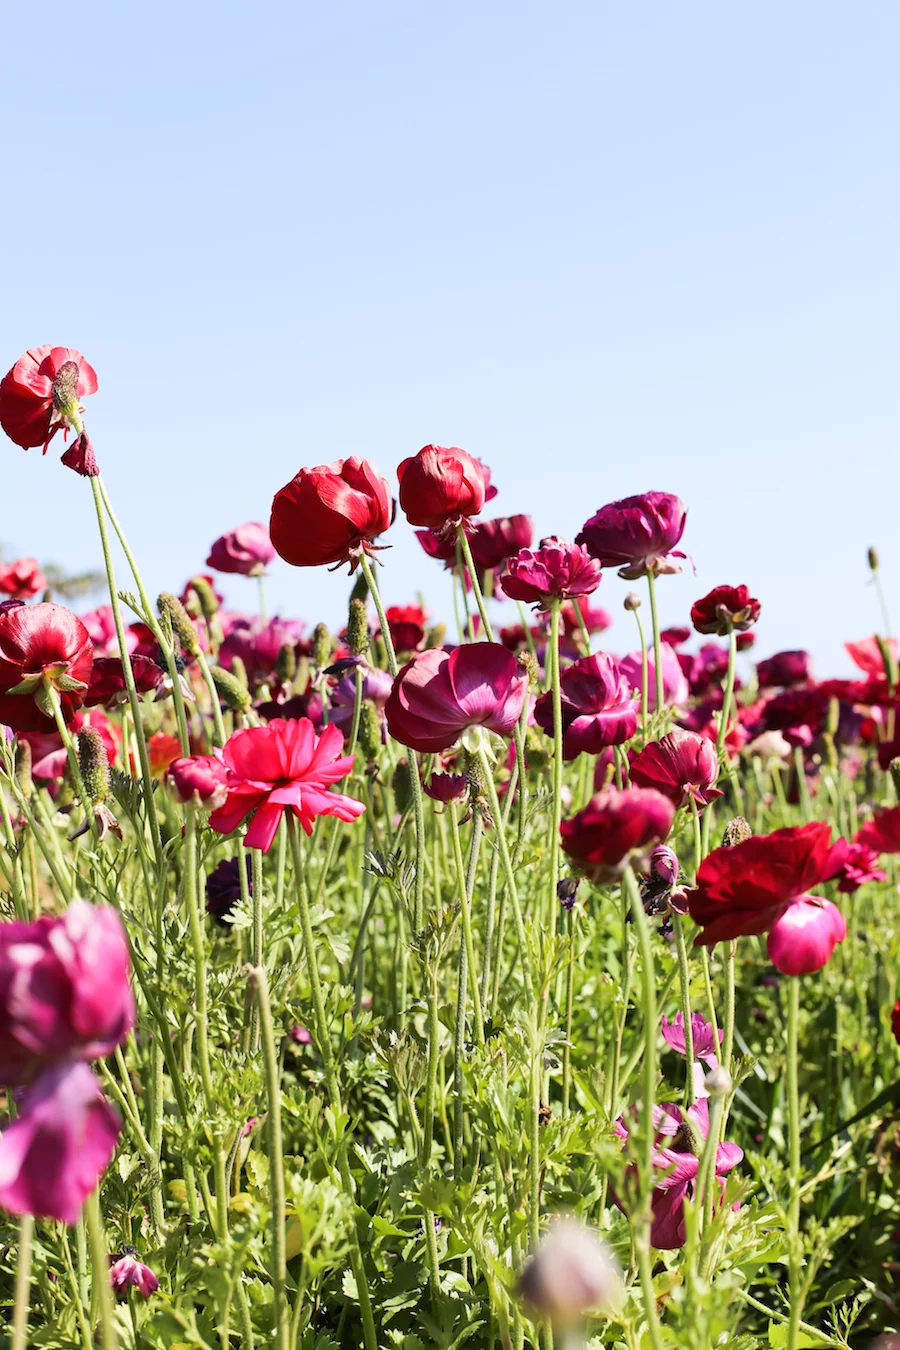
x=476, y=585
x=556, y=812
x=728, y=695
x=23, y=1283
x=278, y=1203
x=728, y=1038
x=109, y=1339
x=256, y=958
x=684, y=976
x=512, y=890
x=645, y=669
x=570, y=1007
x=657, y=644
x=793, y=1105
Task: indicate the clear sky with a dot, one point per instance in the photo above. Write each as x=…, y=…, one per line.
x=605, y=247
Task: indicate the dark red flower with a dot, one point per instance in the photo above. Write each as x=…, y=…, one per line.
x=783, y=670
x=407, y=626
x=555, y=571
x=80, y=457
x=22, y=579
x=806, y=706
x=40, y=645
x=330, y=514
x=615, y=827
x=493, y=541
x=107, y=684
x=682, y=766
x=598, y=708
x=636, y=534
x=895, y=1021
x=246, y=551
x=439, y=694
x=41, y=394
x=724, y=609
x=744, y=641
x=446, y=787
x=882, y=832
x=440, y=487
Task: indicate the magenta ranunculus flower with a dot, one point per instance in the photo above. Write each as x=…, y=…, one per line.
x=439, y=694
x=706, y=1044
x=556, y=570
x=246, y=551
x=22, y=579
x=493, y=541
x=637, y=534
x=597, y=707
x=614, y=828
x=446, y=787
x=803, y=937
x=675, y=686
x=683, y=766
x=725, y=609
x=199, y=781
x=127, y=1272
x=852, y=864
x=783, y=670
x=63, y=1138
x=42, y=395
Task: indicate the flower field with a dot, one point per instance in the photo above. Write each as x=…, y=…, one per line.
x=438, y=985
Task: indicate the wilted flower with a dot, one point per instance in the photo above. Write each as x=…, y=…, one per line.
x=41, y=645
x=246, y=550
x=440, y=487
x=127, y=1272
x=439, y=694
x=22, y=579
x=330, y=514
x=682, y=765
x=108, y=688
x=556, y=570
x=615, y=827
x=636, y=534
x=42, y=393
x=571, y=1273
x=597, y=707
x=446, y=787
x=725, y=609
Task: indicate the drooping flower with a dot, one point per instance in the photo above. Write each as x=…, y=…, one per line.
x=597, y=706
x=330, y=514
x=42, y=393
x=80, y=457
x=493, y=541
x=614, y=828
x=246, y=551
x=41, y=645
x=108, y=688
x=636, y=534
x=441, y=487
x=127, y=1272
x=682, y=765
x=725, y=609
x=446, y=787
x=571, y=1274
x=783, y=670
x=198, y=781
x=675, y=686
x=283, y=766
x=223, y=888
x=22, y=579
x=439, y=694
x=882, y=832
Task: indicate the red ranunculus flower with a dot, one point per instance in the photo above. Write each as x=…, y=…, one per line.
x=783, y=670
x=108, y=680
x=555, y=571
x=723, y=609
x=406, y=624
x=330, y=514
x=40, y=645
x=676, y=637
x=682, y=765
x=597, y=706
x=493, y=541
x=615, y=827
x=439, y=694
x=41, y=394
x=637, y=534
x=22, y=579
x=280, y=767
x=246, y=551
x=882, y=832
x=162, y=750
x=440, y=487
x=852, y=865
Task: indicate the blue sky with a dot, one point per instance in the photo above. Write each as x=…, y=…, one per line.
x=605, y=247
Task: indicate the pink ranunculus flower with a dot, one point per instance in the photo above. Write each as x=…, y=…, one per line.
x=866, y=654
x=493, y=541
x=439, y=694
x=803, y=937
x=852, y=864
x=675, y=686
x=597, y=707
x=63, y=1138
x=102, y=628
x=637, y=534
x=199, y=781
x=683, y=766
x=283, y=766
x=556, y=570
x=127, y=1272
x=706, y=1043
x=245, y=551
x=22, y=579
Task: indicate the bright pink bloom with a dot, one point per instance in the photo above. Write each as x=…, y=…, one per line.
x=615, y=827
x=440, y=487
x=41, y=394
x=556, y=570
x=675, y=686
x=784, y=669
x=866, y=654
x=637, y=534
x=130, y=1273
x=330, y=514
x=199, y=781
x=22, y=579
x=706, y=1043
x=882, y=832
x=406, y=624
x=54, y=1152
x=41, y=643
x=852, y=865
x=280, y=767
x=493, y=541
x=682, y=766
x=102, y=628
x=803, y=937
x=440, y=693
x=725, y=608
x=246, y=551
x=597, y=707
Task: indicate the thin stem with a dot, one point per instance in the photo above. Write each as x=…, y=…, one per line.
x=512, y=890
x=728, y=1039
x=100, y=1272
x=644, y=675
x=476, y=585
x=256, y=958
x=684, y=976
x=23, y=1283
x=556, y=812
x=278, y=1203
x=793, y=1106
x=570, y=1008
x=657, y=644
x=728, y=694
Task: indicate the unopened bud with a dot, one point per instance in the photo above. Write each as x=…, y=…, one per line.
x=834, y=717
x=531, y=667
x=736, y=831
x=357, y=628
x=369, y=734
x=664, y=865
x=895, y=774
x=184, y=630
x=206, y=597
x=286, y=662
x=537, y=749
x=23, y=767
x=873, y=559
x=360, y=589
x=632, y=600
x=472, y=767
x=94, y=764
x=718, y=1082
x=239, y=671
x=572, y=1273
x=401, y=786
x=230, y=690
x=322, y=646
x=435, y=637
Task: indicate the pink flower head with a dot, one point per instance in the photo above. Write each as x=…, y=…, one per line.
x=257, y=642
x=680, y=1137
x=22, y=579
x=706, y=1043
x=637, y=534
x=803, y=937
x=101, y=625
x=555, y=571
x=493, y=541
x=683, y=766
x=783, y=670
x=199, y=781
x=283, y=766
x=852, y=865
x=439, y=694
x=246, y=551
x=129, y=1273
x=440, y=487
x=615, y=827
x=54, y=1152
x=42, y=394
x=675, y=686
x=597, y=707
x=866, y=654
x=724, y=609
x=882, y=832
x=64, y=989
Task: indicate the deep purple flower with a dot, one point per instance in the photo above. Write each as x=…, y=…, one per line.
x=636, y=534
x=223, y=889
x=784, y=669
x=493, y=541
x=257, y=642
x=597, y=707
x=446, y=787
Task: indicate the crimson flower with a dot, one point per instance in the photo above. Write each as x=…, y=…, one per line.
x=493, y=541
x=41, y=645
x=439, y=694
x=246, y=551
x=441, y=487
x=724, y=609
x=615, y=827
x=282, y=766
x=594, y=618
x=406, y=624
x=682, y=765
x=636, y=534
x=330, y=514
x=676, y=637
x=446, y=787
x=41, y=394
x=882, y=832
x=107, y=684
x=556, y=570
x=22, y=579
x=783, y=670
x=597, y=706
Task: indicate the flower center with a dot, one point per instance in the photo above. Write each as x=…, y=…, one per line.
x=65, y=387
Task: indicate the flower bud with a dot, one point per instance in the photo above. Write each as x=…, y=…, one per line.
x=531, y=667
x=566, y=892
x=873, y=559
x=184, y=630
x=94, y=764
x=718, y=1082
x=360, y=588
x=23, y=767
x=206, y=596
x=401, y=786
x=571, y=1274
x=199, y=781
x=435, y=636
x=632, y=601
x=286, y=662
x=736, y=831
x=357, y=628
x=239, y=671
x=369, y=734
x=230, y=690
x=322, y=646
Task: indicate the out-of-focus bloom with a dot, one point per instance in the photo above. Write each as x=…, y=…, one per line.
x=683, y=766
x=852, y=865
x=744, y=641
x=53, y=1153
x=22, y=579
x=42, y=394
x=406, y=624
x=440, y=487
x=64, y=989
x=223, y=888
x=300, y=1035
x=866, y=654
x=330, y=514
x=40, y=645
x=107, y=686
x=101, y=625
x=493, y=541
x=676, y=637
x=706, y=1043
x=795, y=708
x=199, y=781
x=636, y=534
x=257, y=642
x=664, y=866
x=882, y=833
x=127, y=1272
x=675, y=686
x=803, y=937
x=597, y=707
x=555, y=571
x=724, y=609
x=895, y=1021
x=615, y=827
x=680, y=1138
x=594, y=617
x=162, y=750
x=705, y=669
x=571, y=1273
x=376, y=688
x=783, y=670
x=446, y=787
x=439, y=694
x=246, y=551
x=283, y=766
